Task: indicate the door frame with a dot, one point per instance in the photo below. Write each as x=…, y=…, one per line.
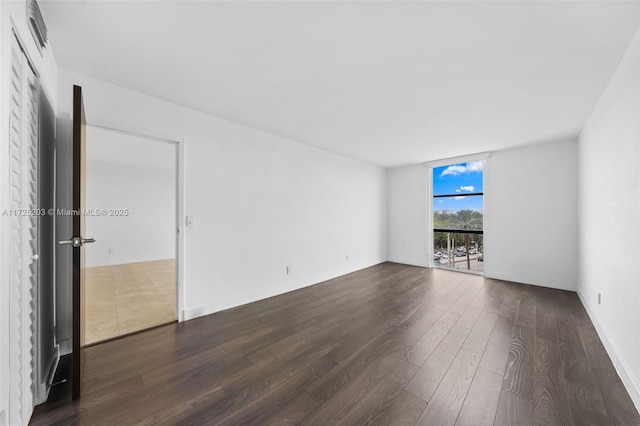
x=178, y=142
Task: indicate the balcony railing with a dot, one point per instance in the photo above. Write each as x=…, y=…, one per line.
x=460, y=249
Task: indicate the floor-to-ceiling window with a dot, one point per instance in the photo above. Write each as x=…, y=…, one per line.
x=458, y=215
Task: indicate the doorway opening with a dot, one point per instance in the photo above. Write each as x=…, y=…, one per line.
x=130, y=281
x=457, y=213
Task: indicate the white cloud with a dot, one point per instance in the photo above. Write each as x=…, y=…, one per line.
x=474, y=166
x=454, y=170
x=458, y=169
x=458, y=190
x=459, y=198
x=469, y=188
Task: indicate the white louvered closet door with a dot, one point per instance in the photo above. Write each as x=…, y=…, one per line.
x=24, y=232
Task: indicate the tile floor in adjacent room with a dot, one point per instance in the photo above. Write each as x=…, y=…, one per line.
x=121, y=299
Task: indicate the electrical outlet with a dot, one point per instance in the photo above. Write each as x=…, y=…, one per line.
x=599, y=298
x=288, y=270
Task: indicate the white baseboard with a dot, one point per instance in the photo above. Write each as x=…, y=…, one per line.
x=620, y=365
x=416, y=261
x=275, y=289
x=537, y=281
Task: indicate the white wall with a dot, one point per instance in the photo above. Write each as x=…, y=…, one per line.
x=13, y=17
x=609, y=206
x=138, y=174
x=530, y=207
x=261, y=202
x=407, y=215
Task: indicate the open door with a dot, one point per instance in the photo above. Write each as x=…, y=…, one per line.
x=77, y=240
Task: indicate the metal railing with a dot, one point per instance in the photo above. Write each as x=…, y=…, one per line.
x=459, y=255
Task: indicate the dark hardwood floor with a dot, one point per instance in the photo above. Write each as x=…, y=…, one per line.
x=390, y=345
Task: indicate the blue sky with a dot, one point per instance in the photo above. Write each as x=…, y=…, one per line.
x=458, y=178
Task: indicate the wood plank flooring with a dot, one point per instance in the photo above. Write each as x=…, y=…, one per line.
x=388, y=345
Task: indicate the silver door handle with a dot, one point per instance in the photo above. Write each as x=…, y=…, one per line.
x=77, y=241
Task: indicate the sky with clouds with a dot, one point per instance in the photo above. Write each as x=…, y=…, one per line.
x=458, y=180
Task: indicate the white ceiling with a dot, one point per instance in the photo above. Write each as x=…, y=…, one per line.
x=388, y=83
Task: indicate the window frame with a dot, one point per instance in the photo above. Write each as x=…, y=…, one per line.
x=484, y=157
